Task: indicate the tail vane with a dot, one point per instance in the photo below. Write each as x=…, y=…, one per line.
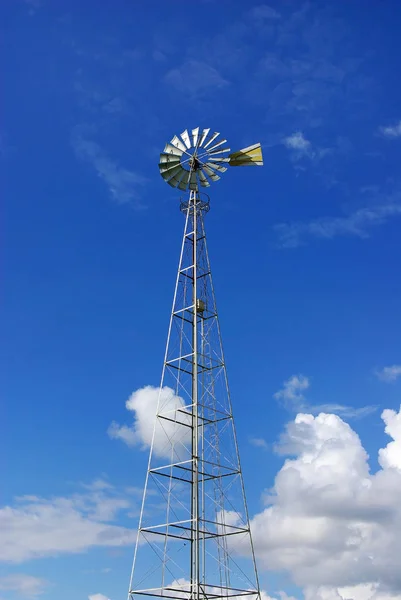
x=252, y=155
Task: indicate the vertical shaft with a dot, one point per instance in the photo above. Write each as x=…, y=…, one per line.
x=195, y=438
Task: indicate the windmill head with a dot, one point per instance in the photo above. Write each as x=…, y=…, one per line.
x=192, y=160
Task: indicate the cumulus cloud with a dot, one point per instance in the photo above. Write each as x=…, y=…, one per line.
x=356, y=592
x=390, y=456
x=293, y=399
x=36, y=527
x=330, y=523
x=391, y=131
x=169, y=435
x=98, y=597
x=24, y=585
x=389, y=374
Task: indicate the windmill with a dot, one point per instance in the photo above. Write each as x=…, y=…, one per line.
x=194, y=540
x=188, y=162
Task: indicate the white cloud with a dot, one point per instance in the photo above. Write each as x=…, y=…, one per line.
x=195, y=78
x=294, y=400
x=355, y=592
x=38, y=527
x=301, y=148
x=348, y=412
x=98, y=597
x=293, y=388
x=124, y=184
x=258, y=442
x=329, y=522
x=168, y=434
x=24, y=585
x=390, y=456
x=389, y=374
x=358, y=223
x=392, y=131
x=297, y=141
x=281, y=596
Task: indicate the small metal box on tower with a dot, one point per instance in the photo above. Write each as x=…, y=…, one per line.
x=200, y=306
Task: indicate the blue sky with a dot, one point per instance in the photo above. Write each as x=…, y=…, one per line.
x=304, y=251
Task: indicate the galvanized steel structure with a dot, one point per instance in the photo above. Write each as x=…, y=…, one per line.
x=194, y=539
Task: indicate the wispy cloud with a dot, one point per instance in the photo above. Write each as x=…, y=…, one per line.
x=34, y=527
x=195, y=78
x=125, y=185
x=24, y=585
x=358, y=223
x=391, y=131
x=297, y=141
x=291, y=395
x=389, y=374
x=301, y=148
x=292, y=391
x=258, y=442
x=98, y=597
x=33, y=5
x=342, y=410
x=263, y=11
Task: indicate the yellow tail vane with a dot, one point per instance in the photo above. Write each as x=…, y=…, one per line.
x=252, y=155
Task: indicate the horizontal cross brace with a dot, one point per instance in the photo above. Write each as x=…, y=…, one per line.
x=225, y=592
x=180, y=464
x=203, y=476
x=207, y=535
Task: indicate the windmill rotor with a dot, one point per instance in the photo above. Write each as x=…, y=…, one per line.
x=193, y=160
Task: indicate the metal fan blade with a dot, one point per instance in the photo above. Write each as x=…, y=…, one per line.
x=195, y=136
x=216, y=167
x=219, y=151
x=178, y=143
x=168, y=167
x=193, y=182
x=225, y=159
x=214, y=136
x=216, y=145
x=203, y=180
x=167, y=160
x=176, y=180
x=252, y=155
x=210, y=173
x=185, y=137
x=203, y=136
x=171, y=172
x=170, y=149
x=184, y=181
